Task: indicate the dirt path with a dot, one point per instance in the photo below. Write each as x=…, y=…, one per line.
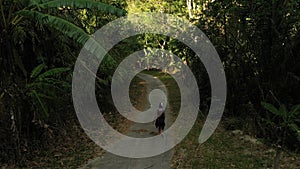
x=111, y=161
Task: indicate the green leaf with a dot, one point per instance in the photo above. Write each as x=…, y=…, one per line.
x=105, y=82
x=295, y=110
x=46, y=87
x=47, y=97
x=52, y=72
x=1, y=96
x=37, y=70
x=87, y=4
x=67, y=28
x=283, y=112
x=31, y=3
x=59, y=83
x=294, y=127
x=19, y=61
x=45, y=112
x=270, y=108
x=282, y=108
x=59, y=24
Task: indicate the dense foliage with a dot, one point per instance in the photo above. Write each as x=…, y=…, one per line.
x=39, y=43
x=258, y=42
x=259, y=46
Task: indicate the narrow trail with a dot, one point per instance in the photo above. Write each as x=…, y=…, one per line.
x=111, y=161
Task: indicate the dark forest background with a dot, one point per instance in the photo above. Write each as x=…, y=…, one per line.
x=258, y=42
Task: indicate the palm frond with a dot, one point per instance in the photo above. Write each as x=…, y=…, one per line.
x=67, y=28
x=62, y=25
x=81, y=4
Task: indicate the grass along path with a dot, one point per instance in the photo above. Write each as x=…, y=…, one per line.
x=225, y=149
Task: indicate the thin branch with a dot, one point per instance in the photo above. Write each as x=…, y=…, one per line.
x=3, y=16
x=275, y=97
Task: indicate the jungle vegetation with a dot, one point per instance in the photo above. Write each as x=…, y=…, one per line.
x=258, y=42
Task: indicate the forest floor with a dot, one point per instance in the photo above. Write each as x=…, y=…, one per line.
x=226, y=149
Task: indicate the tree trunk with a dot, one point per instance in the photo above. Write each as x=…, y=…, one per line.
x=189, y=4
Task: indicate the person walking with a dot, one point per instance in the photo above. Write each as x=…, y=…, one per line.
x=160, y=120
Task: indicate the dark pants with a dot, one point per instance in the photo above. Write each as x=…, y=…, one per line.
x=160, y=123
